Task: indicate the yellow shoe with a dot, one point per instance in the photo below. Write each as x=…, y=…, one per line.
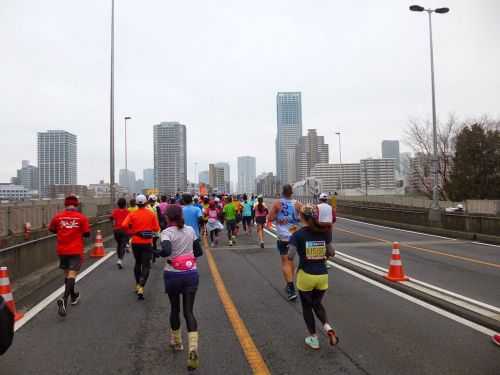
x=140, y=293
x=193, y=360
x=137, y=286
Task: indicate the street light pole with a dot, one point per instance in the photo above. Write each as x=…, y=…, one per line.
x=112, y=109
x=341, y=167
x=126, y=154
x=434, y=212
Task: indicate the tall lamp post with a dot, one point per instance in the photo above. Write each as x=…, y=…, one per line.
x=434, y=212
x=112, y=109
x=341, y=168
x=126, y=154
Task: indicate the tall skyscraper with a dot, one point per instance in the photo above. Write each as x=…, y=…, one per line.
x=289, y=123
x=227, y=175
x=126, y=179
x=216, y=178
x=57, y=159
x=390, y=150
x=203, y=177
x=27, y=176
x=170, y=159
x=246, y=174
x=310, y=151
x=148, y=175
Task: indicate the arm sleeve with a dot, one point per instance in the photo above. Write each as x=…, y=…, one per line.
x=166, y=248
x=197, y=249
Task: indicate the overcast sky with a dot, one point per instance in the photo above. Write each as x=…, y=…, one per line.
x=362, y=68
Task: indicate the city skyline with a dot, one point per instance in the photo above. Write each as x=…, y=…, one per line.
x=357, y=91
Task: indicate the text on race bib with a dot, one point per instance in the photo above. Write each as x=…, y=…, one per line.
x=315, y=250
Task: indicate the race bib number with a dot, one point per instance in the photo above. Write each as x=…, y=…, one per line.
x=315, y=250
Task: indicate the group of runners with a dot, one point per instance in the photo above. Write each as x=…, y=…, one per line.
x=173, y=228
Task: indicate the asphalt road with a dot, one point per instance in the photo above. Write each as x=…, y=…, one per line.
x=111, y=332
x=464, y=267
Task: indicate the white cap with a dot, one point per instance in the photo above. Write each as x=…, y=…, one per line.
x=141, y=199
x=217, y=199
x=153, y=197
x=323, y=196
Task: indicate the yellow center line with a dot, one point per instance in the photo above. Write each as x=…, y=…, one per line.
x=435, y=252
x=252, y=354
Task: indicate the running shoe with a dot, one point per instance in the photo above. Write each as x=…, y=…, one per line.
x=140, y=293
x=496, y=339
x=292, y=295
x=176, y=342
x=61, y=307
x=262, y=244
x=332, y=337
x=75, y=299
x=119, y=264
x=230, y=243
x=193, y=360
x=137, y=286
x=312, y=342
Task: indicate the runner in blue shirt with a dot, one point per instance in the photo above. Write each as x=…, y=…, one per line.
x=193, y=215
x=247, y=215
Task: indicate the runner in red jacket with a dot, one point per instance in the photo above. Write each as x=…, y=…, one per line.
x=70, y=226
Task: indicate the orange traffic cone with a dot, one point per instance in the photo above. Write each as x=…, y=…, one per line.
x=98, y=249
x=6, y=293
x=396, y=272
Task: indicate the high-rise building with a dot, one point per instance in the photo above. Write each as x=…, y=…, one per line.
x=390, y=150
x=57, y=159
x=378, y=173
x=246, y=174
x=170, y=157
x=27, y=176
x=310, y=151
x=148, y=175
x=289, y=124
x=335, y=176
x=267, y=185
x=126, y=179
x=227, y=175
x=216, y=178
x=203, y=177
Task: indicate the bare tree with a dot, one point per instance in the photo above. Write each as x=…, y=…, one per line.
x=418, y=137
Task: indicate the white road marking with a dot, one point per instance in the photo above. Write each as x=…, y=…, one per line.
x=485, y=244
x=407, y=297
x=416, y=301
x=430, y=286
x=397, y=229
x=54, y=295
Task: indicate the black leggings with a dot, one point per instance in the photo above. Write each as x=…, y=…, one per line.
x=121, y=242
x=187, y=309
x=142, y=254
x=311, y=301
x=213, y=234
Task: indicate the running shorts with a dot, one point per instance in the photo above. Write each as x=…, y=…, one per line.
x=282, y=247
x=307, y=282
x=70, y=262
x=260, y=220
x=180, y=282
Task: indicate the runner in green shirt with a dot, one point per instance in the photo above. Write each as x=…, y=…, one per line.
x=229, y=212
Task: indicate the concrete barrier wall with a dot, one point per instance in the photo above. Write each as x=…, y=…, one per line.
x=487, y=225
x=485, y=207
x=32, y=256
x=38, y=213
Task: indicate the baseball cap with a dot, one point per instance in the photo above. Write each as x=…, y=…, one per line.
x=323, y=196
x=141, y=199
